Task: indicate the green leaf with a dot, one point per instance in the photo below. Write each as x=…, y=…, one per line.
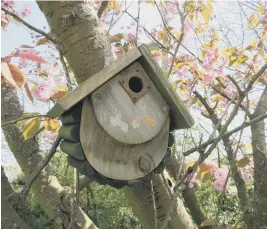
x=31, y=127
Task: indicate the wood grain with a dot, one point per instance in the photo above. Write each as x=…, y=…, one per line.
x=179, y=112
x=117, y=160
x=93, y=83
x=128, y=121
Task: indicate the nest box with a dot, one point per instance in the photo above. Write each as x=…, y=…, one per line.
x=126, y=110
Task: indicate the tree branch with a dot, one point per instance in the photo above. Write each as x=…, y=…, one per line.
x=39, y=168
x=102, y=8
x=225, y=135
x=29, y=26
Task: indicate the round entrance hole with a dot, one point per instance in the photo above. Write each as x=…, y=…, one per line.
x=135, y=84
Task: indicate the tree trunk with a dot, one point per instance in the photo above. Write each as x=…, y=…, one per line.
x=85, y=45
x=9, y=197
x=54, y=199
x=9, y=217
x=258, y=214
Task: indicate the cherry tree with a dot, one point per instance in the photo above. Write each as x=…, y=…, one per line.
x=219, y=71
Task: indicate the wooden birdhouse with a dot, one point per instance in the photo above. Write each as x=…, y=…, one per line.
x=125, y=116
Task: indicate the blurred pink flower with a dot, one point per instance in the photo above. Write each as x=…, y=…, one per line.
x=7, y=3
x=210, y=58
x=45, y=90
x=166, y=62
x=171, y=7
x=220, y=178
x=50, y=134
x=26, y=12
x=185, y=73
x=218, y=185
x=190, y=185
x=187, y=28
x=221, y=173
x=157, y=55
x=131, y=36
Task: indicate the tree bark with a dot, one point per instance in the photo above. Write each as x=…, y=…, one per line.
x=258, y=214
x=86, y=47
x=9, y=217
x=9, y=197
x=53, y=198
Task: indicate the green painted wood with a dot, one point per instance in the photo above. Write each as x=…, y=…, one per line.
x=94, y=82
x=72, y=116
x=73, y=149
x=70, y=132
x=180, y=114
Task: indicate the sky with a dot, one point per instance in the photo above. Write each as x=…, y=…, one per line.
x=16, y=35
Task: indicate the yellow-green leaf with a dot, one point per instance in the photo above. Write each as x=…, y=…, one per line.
x=208, y=222
x=261, y=9
x=52, y=124
x=31, y=127
x=27, y=117
x=254, y=42
x=116, y=38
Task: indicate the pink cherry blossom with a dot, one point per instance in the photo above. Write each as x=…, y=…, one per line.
x=210, y=58
x=131, y=35
x=166, y=62
x=218, y=185
x=50, y=134
x=221, y=174
x=187, y=28
x=220, y=178
x=7, y=3
x=26, y=12
x=185, y=73
x=157, y=55
x=171, y=7
x=190, y=185
x=45, y=90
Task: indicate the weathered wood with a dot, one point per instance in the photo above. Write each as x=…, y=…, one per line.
x=72, y=149
x=73, y=115
x=114, y=159
x=93, y=83
x=179, y=112
x=70, y=132
x=128, y=121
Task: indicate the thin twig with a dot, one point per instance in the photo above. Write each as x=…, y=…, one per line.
x=102, y=8
x=137, y=25
x=179, y=42
x=39, y=168
x=154, y=204
x=75, y=199
x=29, y=26
x=225, y=135
x=21, y=119
x=151, y=36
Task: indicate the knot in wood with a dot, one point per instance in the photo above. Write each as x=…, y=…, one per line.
x=144, y=164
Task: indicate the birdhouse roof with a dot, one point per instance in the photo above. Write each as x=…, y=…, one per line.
x=180, y=114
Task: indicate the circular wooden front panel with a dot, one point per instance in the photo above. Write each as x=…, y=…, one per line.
x=117, y=160
x=129, y=107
